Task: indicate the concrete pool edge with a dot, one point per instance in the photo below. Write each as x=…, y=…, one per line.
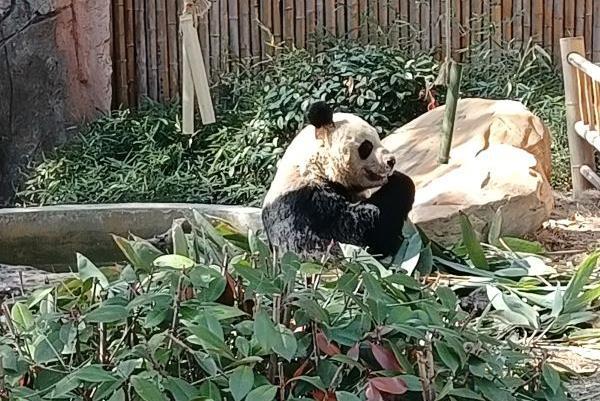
x=52, y=235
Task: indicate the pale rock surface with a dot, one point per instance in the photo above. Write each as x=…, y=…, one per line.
x=499, y=161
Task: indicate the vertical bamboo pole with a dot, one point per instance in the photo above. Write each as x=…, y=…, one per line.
x=300, y=27
x=537, y=23
x=152, y=49
x=581, y=153
x=163, y=51
x=311, y=24
x=140, y=49
x=364, y=22
x=173, y=47
x=558, y=27
x=245, y=50
x=254, y=28
x=224, y=30
x=354, y=22
x=526, y=20
x=579, y=17
x=507, y=16
x=588, y=20
x=450, y=112
x=596, y=27
x=518, y=20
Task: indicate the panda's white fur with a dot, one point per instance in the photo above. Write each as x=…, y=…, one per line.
x=337, y=158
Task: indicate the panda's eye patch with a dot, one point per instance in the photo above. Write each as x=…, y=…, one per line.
x=364, y=150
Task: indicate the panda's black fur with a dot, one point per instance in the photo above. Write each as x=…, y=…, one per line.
x=310, y=219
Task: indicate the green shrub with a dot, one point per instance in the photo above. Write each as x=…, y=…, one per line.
x=142, y=155
x=219, y=318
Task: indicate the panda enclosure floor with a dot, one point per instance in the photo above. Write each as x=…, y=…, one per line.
x=572, y=231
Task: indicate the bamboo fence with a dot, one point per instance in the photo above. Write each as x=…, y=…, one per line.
x=147, y=50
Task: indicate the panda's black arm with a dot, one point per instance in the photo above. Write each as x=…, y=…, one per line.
x=394, y=201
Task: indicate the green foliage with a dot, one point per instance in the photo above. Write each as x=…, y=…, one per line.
x=237, y=324
x=142, y=155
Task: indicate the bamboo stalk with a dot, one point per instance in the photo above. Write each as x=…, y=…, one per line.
x=558, y=27
x=244, y=7
x=393, y=21
x=537, y=23
x=215, y=40
x=204, y=37
x=465, y=17
x=234, y=20
x=450, y=112
x=527, y=10
x=152, y=49
x=414, y=14
x=300, y=31
x=173, y=47
x=589, y=19
x=425, y=23
x=548, y=23
x=266, y=20
x=288, y=22
x=580, y=17
x=383, y=21
x=405, y=19
x=330, y=16
x=163, y=51
x=255, y=30
x=580, y=151
x=224, y=30
x=496, y=14
x=507, y=15
x=364, y=21
x=130, y=51
x=518, y=20
x=353, y=19
x=121, y=50
x=140, y=49
x=476, y=14
x=340, y=15
x=596, y=27
x=311, y=25
x=569, y=21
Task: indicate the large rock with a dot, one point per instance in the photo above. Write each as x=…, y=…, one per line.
x=55, y=72
x=499, y=163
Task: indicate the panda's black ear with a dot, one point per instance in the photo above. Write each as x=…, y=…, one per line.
x=320, y=114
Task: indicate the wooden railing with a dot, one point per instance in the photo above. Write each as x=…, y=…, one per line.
x=582, y=98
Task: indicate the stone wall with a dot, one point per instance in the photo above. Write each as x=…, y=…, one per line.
x=55, y=72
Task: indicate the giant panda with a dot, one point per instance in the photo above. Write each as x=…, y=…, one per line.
x=322, y=192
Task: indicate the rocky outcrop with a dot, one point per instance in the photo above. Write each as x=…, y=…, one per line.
x=499, y=165
x=55, y=72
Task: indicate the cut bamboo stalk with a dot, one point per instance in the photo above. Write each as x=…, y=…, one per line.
x=414, y=14
x=197, y=67
x=383, y=21
x=569, y=21
x=527, y=18
x=140, y=49
x=476, y=15
x=404, y=21
x=173, y=47
x=579, y=150
x=245, y=49
x=204, y=38
x=450, y=112
x=425, y=23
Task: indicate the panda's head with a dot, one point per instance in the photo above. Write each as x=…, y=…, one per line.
x=350, y=151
